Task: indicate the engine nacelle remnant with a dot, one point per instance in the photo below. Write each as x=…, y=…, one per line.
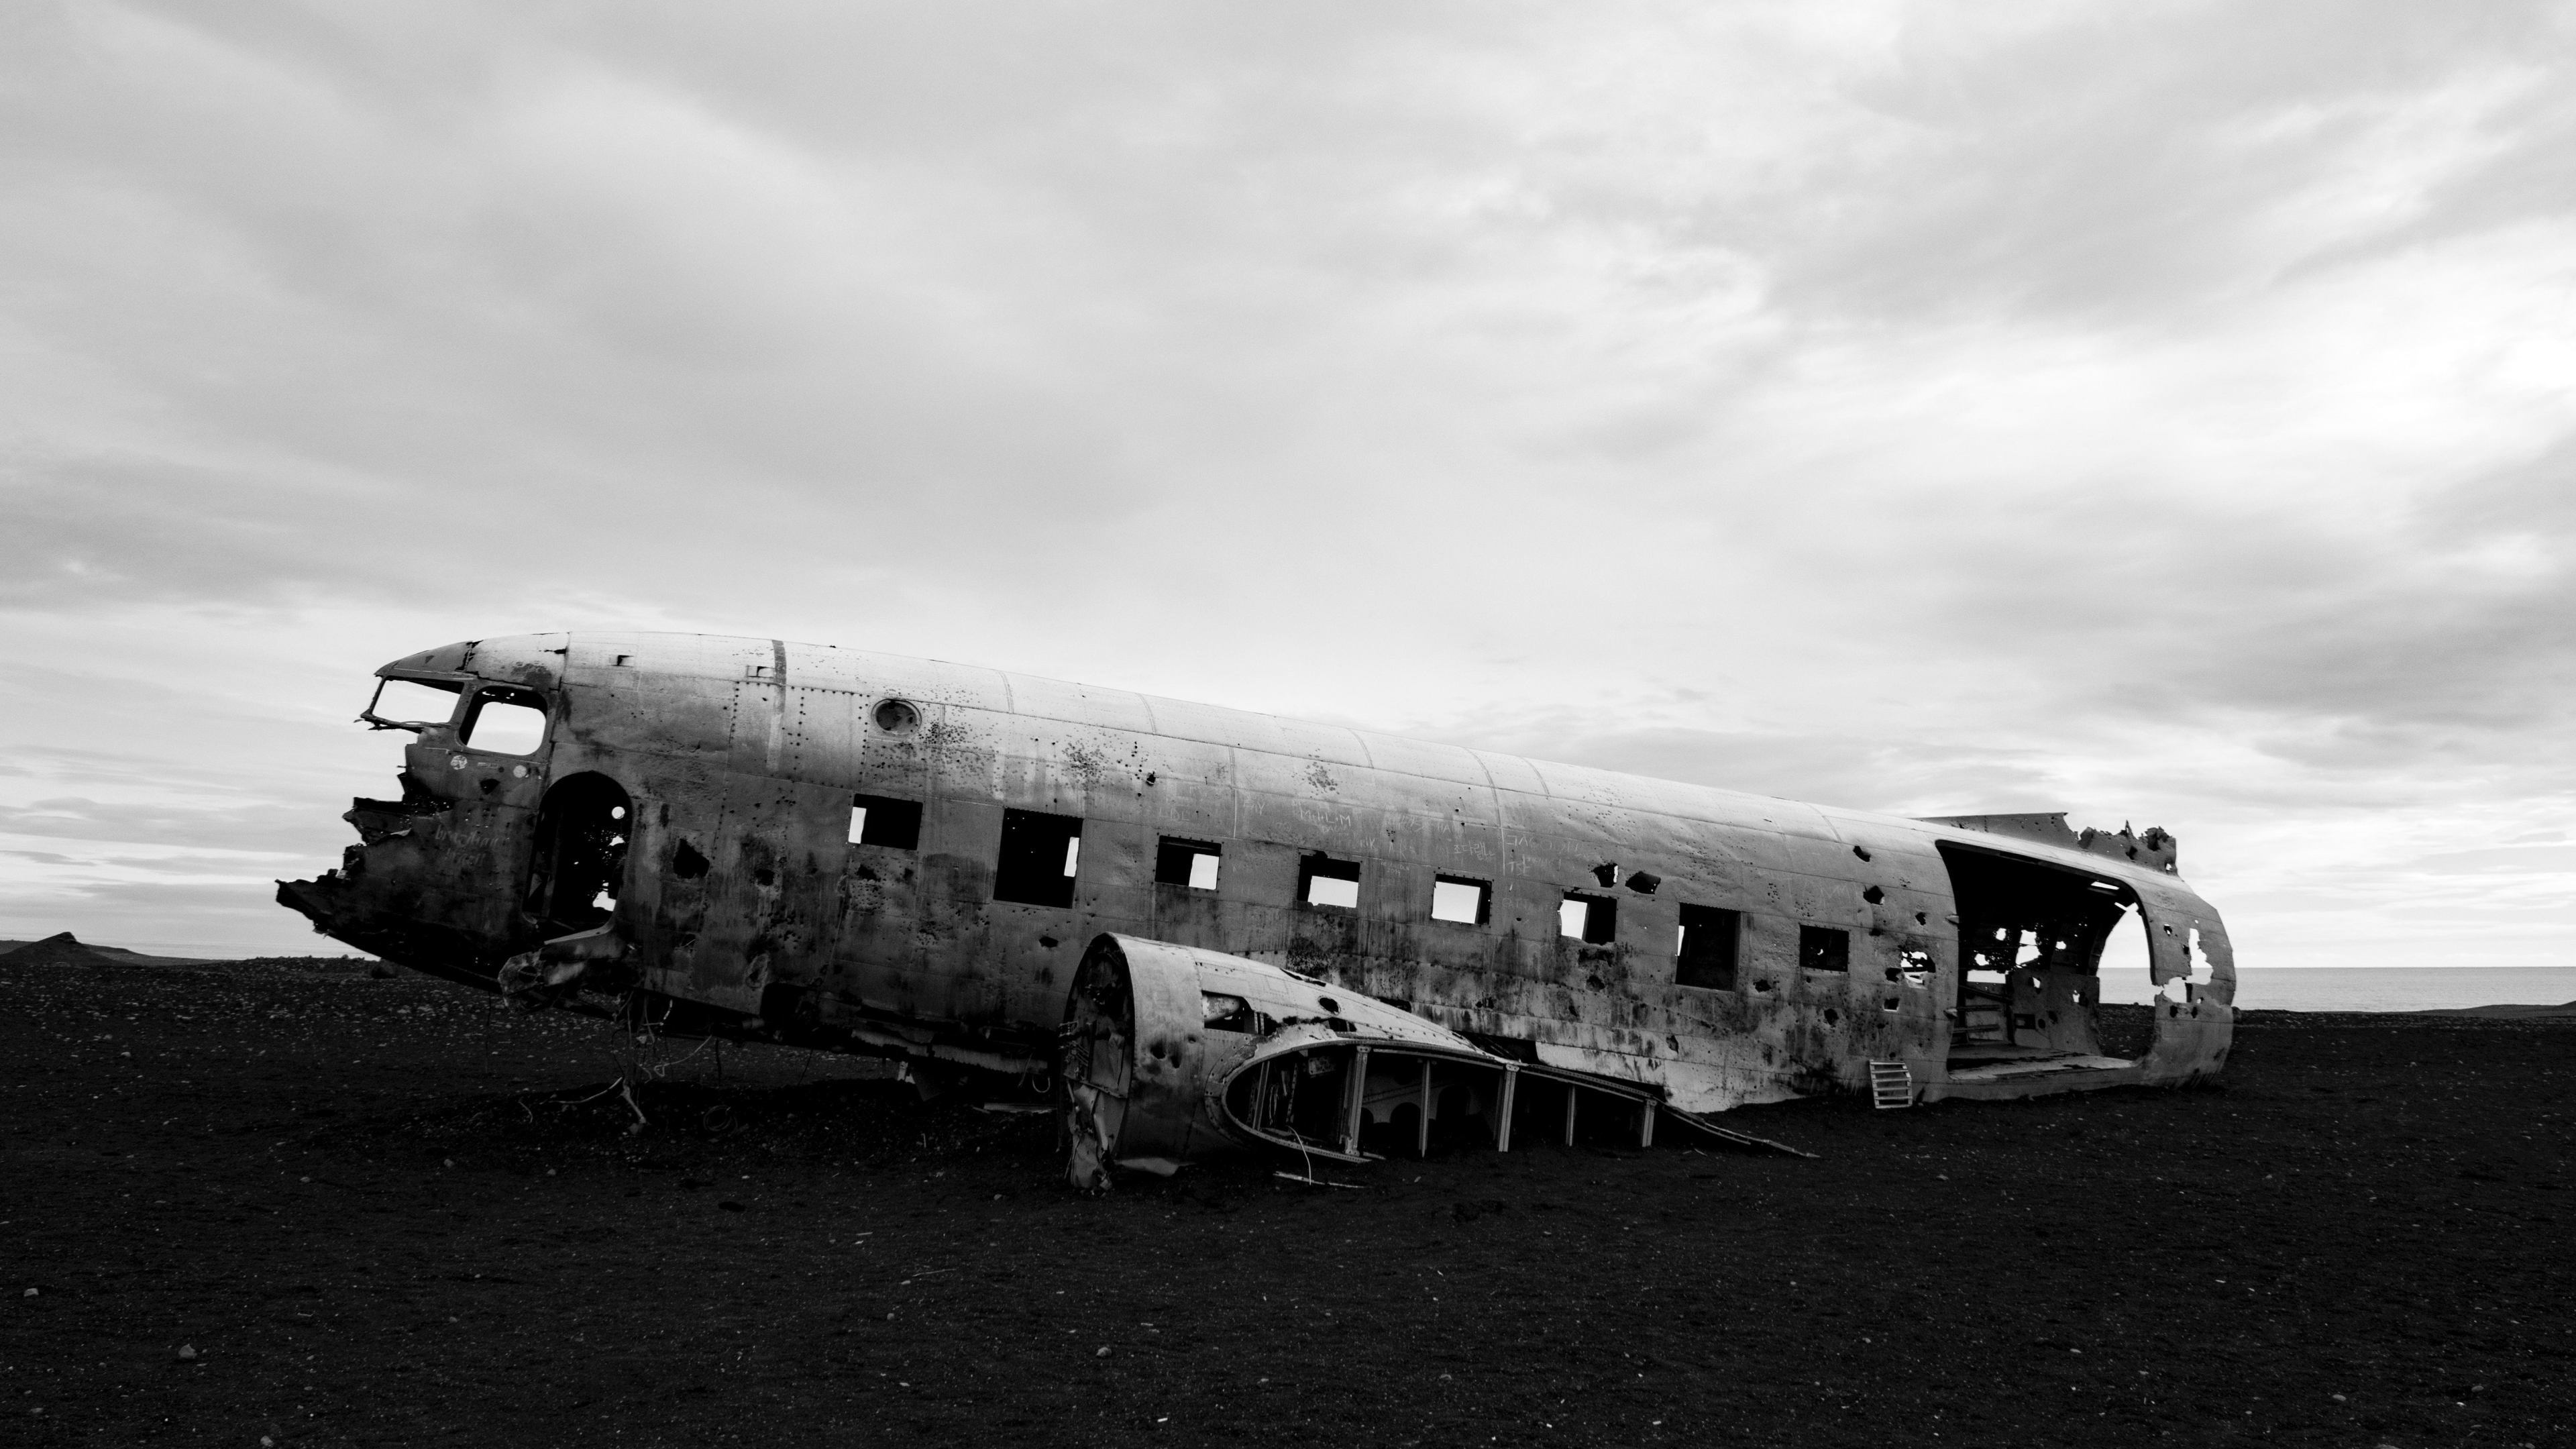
x=1155, y=1034
x=1176, y=1052
x=1227, y=930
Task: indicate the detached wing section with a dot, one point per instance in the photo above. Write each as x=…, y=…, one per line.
x=1175, y=1052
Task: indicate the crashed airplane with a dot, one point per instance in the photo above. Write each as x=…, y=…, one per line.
x=1206, y=930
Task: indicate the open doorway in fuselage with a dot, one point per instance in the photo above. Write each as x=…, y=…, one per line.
x=2031, y=941
x=578, y=869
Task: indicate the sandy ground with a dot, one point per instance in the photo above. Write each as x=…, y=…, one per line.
x=291, y=1203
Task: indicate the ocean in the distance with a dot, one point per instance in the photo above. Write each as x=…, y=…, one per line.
x=2379, y=988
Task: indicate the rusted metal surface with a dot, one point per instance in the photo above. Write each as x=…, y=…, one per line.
x=687, y=834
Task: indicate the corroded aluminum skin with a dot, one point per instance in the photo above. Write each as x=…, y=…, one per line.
x=749, y=750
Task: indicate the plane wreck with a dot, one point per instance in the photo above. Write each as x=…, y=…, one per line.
x=1208, y=930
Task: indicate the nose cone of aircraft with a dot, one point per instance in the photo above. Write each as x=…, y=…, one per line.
x=535, y=660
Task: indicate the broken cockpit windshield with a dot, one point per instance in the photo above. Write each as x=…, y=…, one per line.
x=412, y=704
x=501, y=718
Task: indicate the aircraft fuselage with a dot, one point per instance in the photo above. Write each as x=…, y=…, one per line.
x=895, y=855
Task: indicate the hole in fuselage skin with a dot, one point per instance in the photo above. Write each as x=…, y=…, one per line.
x=2033, y=937
x=1460, y=899
x=1590, y=919
x=579, y=865
x=1191, y=863
x=1824, y=948
x=883, y=820
x=1710, y=943
x=1324, y=881
x=1039, y=857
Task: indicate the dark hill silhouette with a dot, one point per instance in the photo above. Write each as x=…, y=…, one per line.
x=63, y=948
x=57, y=950
x=2505, y=1012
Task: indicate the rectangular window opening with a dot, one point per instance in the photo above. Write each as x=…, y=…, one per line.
x=881, y=820
x=1040, y=853
x=1590, y=919
x=1711, y=940
x=413, y=703
x=1824, y=948
x=1190, y=863
x=505, y=720
x=1324, y=881
x=1461, y=899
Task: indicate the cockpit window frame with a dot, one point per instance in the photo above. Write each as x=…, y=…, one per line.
x=494, y=691
x=463, y=684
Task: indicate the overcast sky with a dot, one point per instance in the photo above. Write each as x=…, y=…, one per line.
x=2165, y=413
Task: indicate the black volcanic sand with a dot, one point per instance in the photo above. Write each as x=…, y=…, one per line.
x=377, y=1213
